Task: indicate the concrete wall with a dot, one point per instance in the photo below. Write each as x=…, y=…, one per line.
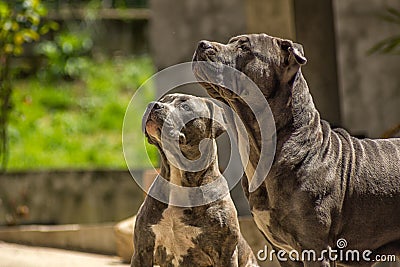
x=370, y=85
x=315, y=31
x=63, y=197
x=70, y=197
x=274, y=17
x=178, y=25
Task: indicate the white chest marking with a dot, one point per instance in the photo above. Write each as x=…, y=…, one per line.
x=262, y=219
x=243, y=147
x=175, y=236
x=175, y=175
x=176, y=195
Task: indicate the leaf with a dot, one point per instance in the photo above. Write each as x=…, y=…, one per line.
x=54, y=25
x=8, y=48
x=44, y=29
x=15, y=26
x=42, y=11
x=385, y=46
x=390, y=19
x=4, y=10
x=30, y=35
x=7, y=25
x=394, y=12
x=18, y=38
x=391, y=15
x=18, y=50
x=391, y=45
x=34, y=19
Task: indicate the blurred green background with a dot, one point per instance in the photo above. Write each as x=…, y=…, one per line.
x=69, y=68
x=68, y=92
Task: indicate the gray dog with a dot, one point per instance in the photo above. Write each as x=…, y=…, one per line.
x=324, y=185
x=205, y=235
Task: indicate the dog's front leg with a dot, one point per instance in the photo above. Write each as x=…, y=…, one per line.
x=143, y=241
x=235, y=258
x=228, y=258
x=142, y=260
x=228, y=255
x=143, y=252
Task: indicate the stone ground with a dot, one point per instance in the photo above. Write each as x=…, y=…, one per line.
x=13, y=255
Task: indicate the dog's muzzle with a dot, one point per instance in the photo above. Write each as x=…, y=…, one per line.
x=156, y=122
x=204, y=52
x=149, y=115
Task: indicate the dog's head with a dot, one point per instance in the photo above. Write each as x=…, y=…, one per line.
x=185, y=119
x=268, y=61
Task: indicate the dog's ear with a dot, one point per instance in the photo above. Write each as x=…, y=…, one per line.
x=294, y=53
x=293, y=57
x=298, y=53
x=218, y=121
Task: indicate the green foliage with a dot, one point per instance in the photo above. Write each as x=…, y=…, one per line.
x=78, y=124
x=19, y=24
x=22, y=23
x=390, y=44
x=66, y=56
x=100, y=3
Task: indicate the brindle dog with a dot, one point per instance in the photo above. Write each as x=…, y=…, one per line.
x=323, y=184
x=203, y=236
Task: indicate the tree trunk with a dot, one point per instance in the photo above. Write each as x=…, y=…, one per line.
x=5, y=96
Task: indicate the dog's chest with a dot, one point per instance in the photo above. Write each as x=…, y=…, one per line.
x=174, y=236
x=262, y=218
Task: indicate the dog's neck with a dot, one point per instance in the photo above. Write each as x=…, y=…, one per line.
x=183, y=176
x=296, y=120
x=206, y=182
x=302, y=129
x=302, y=106
x=294, y=113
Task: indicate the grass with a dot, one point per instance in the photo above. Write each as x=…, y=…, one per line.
x=78, y=124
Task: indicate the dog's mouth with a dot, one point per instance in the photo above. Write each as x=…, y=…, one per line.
x=206, y=62
x=152, y=128
x=205, y=67
x=204, y=55
x=208, y=71
x=160, y=130
x=211, y=74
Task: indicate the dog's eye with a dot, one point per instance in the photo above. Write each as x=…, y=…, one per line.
x=285, y=45
x=244, y=44
x=244, y=47
x=185, y=107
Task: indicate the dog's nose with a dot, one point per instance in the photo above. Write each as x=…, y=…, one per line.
x=204, y=45
x=156, y=105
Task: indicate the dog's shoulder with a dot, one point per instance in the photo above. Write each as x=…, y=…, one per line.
x=150, y=212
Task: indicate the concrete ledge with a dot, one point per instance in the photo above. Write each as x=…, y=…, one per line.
x=12, y=255
x=103, y=238
x=97, y=238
